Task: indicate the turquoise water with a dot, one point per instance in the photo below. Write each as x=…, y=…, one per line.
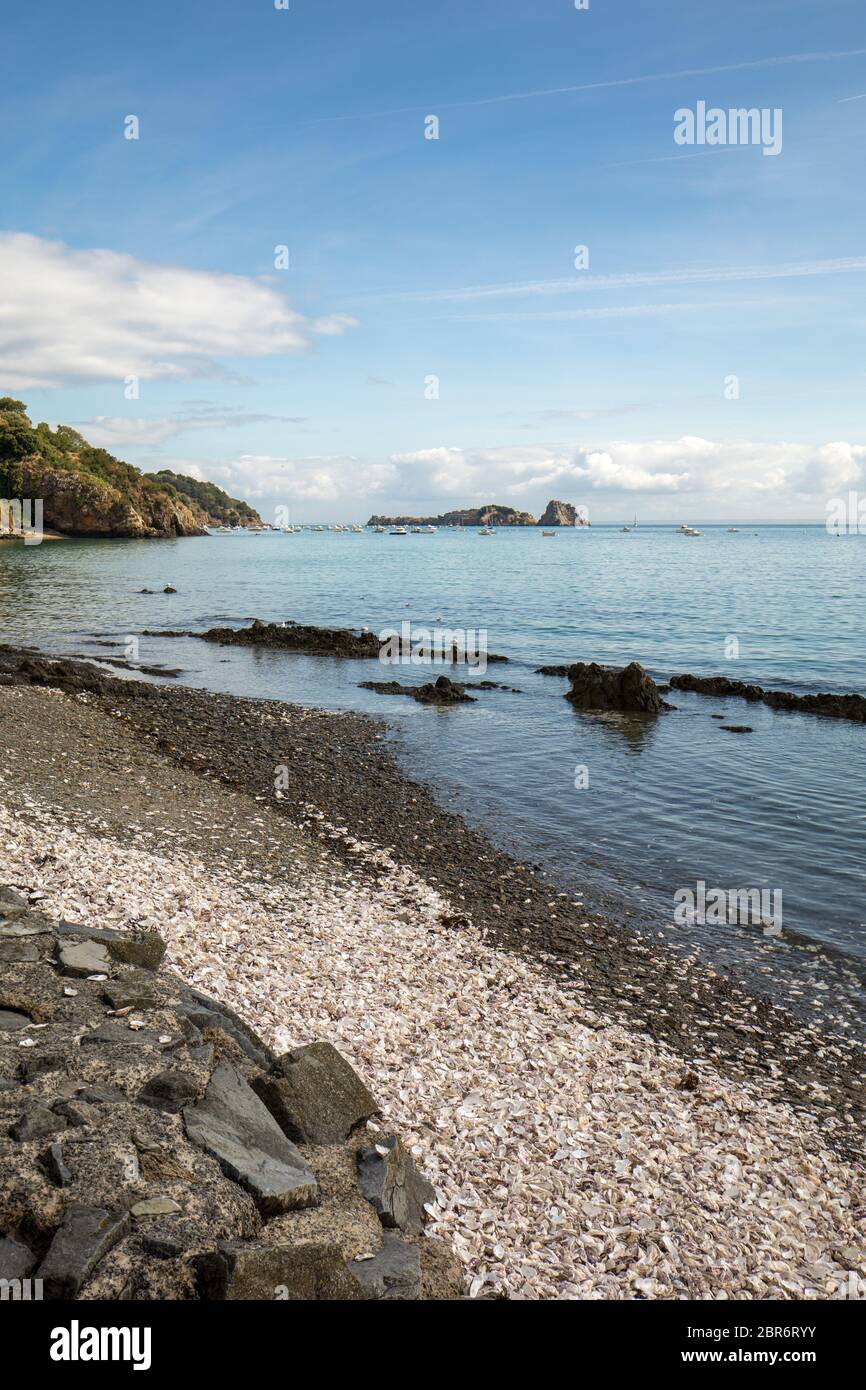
x=666, y=805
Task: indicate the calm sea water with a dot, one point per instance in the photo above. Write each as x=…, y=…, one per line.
x=667, y=804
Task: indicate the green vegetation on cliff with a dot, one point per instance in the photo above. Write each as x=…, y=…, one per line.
x=218, y=508
x=84, y=490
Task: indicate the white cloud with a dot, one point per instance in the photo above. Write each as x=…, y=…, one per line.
x=119, y=431
x=96, y=315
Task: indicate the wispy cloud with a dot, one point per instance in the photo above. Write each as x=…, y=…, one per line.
x=114, y=431
x=768, y=62
x=583, y=283
x=622, y=311
x=861, y=96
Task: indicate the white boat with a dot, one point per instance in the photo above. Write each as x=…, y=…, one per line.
x=733, y=530
x=416, y=530
x=399, y=531
x=378, y=530
x=688, y=531
x=486, y=531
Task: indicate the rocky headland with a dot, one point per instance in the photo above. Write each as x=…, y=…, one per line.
x=85, y=491
x=555, y=514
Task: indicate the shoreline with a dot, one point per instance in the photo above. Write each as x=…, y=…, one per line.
x=449, y=972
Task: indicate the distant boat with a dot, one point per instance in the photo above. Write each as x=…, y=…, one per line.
x=688, y=531
x=487, y=531
x=733, y=531
x=549, y=533
x=399, y=531
x=379, y=530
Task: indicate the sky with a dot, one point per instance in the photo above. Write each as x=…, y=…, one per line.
x=285, y=285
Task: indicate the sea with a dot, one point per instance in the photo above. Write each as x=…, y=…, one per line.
x=629, y=817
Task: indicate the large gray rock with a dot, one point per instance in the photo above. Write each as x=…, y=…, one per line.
x=395, y=1273
x=233, y=1125
x=628, y=689
x=170, y=1091
x=287, y=1273
x=16, y=1258
x=82, y=958
x=12, y=905
x=12, y=1021
x=389, y=1180
x=86, y=1235
x=315, y=1096
x=36, y=1122
x=144, y=949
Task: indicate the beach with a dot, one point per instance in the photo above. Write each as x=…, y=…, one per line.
x=602, y=1116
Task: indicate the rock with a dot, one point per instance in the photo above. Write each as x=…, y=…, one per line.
x=100, y=1095
x=132, y=992
x=16, y=1259
x=36, y=1122
x=119, y=1033
x=18, y=952
x=390, y=1181
x=851, y=707
x=442, y=1273
x=156, y=1206
x=233, y=1125
x=205, y=1013
x=163, y=1244
x=12, y=1021
x=17, y=927
x=737, y=728
x=628, y=689
x=562, y=514
x=325, y=641
x=442, y=692
x=289, y=1273
x=53, y=1162
x=169, y=589
x=87, y=1234
x=145, y=949
x=315, y=1095
x=39, y=1064
x=170, y=1091
x=77, y=1113
x=82, y=958
x=394, y=1273
x=12, y=905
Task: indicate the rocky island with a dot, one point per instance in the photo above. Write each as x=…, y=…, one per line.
x=555, y=514
x=85, y=491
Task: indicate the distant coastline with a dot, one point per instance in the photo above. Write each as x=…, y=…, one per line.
x=493, y=514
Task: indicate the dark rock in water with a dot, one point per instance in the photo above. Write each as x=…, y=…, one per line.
x=16, y=1258
x=53, y=1162
x=737, y=728
x=314, y=1095
x=169, y=589
x=86, y=1235
x=320, y=641
x=233, y=1125
x=442, y=692
x=395, y=1273
x=390, y=1181
x=628, y=689
x=36, y=1122
x=553, y=670
x=170, y=1091
x=286, y=1273
x=851, y=707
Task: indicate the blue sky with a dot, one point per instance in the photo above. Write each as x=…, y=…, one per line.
x=453, y=258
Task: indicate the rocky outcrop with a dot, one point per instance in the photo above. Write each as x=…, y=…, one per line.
x=628, y=689
x=491, y=515
x=153, y=1147
x=294, y=637
x=851, y=707
x=439, y=692
x=562, y=514
x=77, y=503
